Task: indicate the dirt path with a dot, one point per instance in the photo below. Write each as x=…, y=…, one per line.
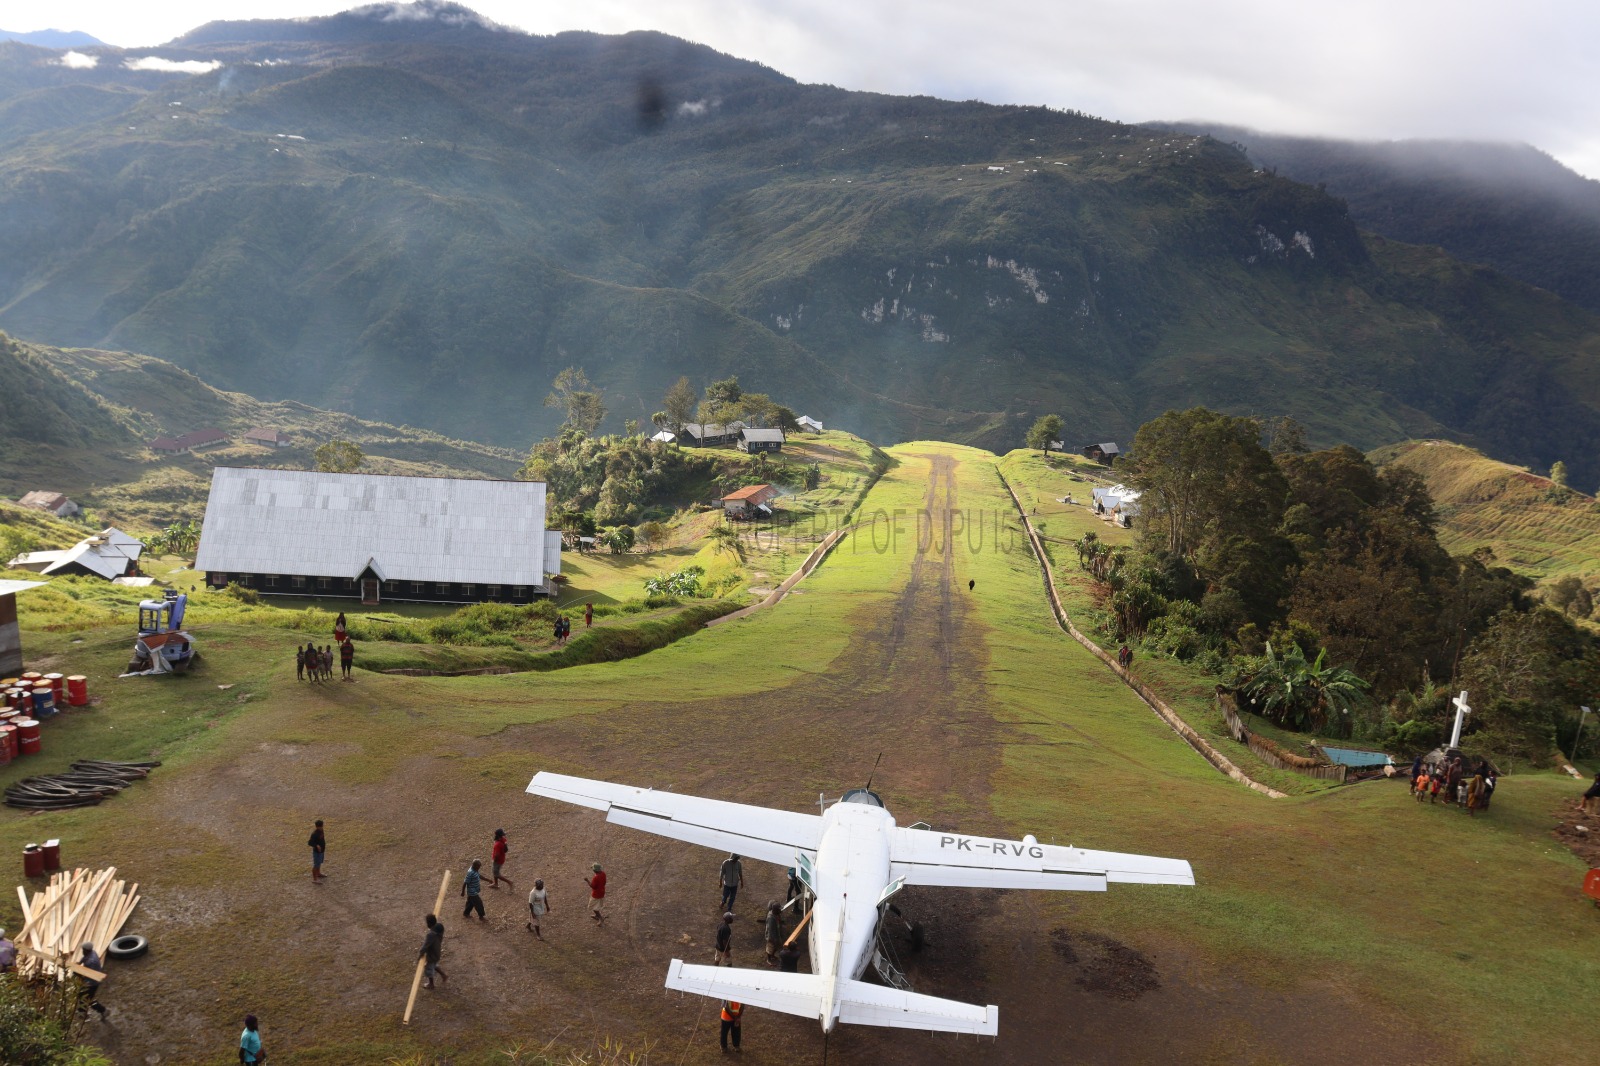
x=911, y=685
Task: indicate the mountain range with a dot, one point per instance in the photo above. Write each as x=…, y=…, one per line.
x=413, y=215
x=52, y=38
x=1508, y=206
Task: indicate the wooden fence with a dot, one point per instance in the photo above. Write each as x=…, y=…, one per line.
x=1269, y=752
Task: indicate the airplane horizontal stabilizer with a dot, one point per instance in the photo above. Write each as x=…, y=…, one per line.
x=861, y=1003
x=790, y=993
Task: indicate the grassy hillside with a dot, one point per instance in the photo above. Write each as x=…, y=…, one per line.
x=1532, y=527
x=423, y=221
x=77, y=421
x=1313, y=934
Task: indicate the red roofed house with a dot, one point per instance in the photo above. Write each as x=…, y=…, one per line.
x=270, y=438
x=54, y=502
x=199, y=438
x=748, y=501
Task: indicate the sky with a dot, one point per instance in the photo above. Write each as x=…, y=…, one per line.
x=1367, y=69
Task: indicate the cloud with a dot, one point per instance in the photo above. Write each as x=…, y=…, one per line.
x=173, y=66
x=696, y=108
x=78, y=61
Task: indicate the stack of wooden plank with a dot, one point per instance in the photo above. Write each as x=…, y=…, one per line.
x=77, y=907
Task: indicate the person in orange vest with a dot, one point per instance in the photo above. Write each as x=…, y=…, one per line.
x=731, y=1013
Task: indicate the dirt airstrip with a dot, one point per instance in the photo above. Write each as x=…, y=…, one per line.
x=911, y=685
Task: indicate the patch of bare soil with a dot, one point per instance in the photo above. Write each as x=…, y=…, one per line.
x=1578, y=831
x=1110, y=968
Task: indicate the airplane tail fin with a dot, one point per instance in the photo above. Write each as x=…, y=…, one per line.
x=859, y=1003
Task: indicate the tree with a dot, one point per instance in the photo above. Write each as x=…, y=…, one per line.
x=582, y=401
x=1558, y=474
x=652, y=533
x=339, y=457
x=679, y=404
x=726, y=539
x=1285, y=436
x=1045, y=432
x=785, y=419
x=631, y=427
x=1204, y=476
x=618, y=538
x=757, y=409
x=726, y=391
x=1563, y=593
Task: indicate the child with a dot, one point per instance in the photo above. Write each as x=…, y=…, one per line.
x=1419, y=787
x=1435, y=783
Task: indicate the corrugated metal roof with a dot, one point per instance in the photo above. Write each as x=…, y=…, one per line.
x=748, y=492
x=765, y=435
x=195, y=438
x=8, y=587
x=413, y=528
x=107, y=553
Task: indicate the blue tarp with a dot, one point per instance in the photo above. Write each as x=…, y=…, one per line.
x=1356, y=758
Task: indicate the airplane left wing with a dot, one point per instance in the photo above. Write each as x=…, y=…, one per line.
x=757, y=832
x=952, y=860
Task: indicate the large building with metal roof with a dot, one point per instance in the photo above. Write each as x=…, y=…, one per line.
x=377, y=537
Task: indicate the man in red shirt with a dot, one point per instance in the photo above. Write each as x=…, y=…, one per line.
x=498, y=854
x=597, y=893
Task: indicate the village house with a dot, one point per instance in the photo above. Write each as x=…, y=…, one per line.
x=268, y=438
x=109, y=554
x=705, y=436
x=54, y=502
x=377, y=537
x=760, y=440
x=665, y=436
x=806, y=422
x=200, y=438
x=10, y=634
x=749, y=502
x=1102, y=453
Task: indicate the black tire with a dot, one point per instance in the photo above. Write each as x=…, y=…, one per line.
x=128, y=947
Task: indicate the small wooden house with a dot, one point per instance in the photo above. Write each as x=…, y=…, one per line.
x=54, y=502
x=188, y=442
x=268, y=438
x=811, y=425
x=749, y=502
x=710, y=434
x=1102, y=453
x=760, y=440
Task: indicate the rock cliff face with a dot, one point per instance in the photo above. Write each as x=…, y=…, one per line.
x=424, y=220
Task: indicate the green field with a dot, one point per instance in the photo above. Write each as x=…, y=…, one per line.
x=1341, y=924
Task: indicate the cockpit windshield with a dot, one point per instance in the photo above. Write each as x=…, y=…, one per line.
x=862, y=795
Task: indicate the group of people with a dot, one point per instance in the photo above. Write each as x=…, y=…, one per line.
x=1451, y=779
x=563, y=626
x=316, y=664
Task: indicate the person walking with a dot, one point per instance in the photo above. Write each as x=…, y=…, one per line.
x=318, y=843
x=347, y=657
x=1416, y=771
x=1475, y=792
x=497, y=855
x=597, y=893
x=90, y=989
x=472, y=888
x=299, y=663
x=723, y=955
x=538, y=906
x=340, y=629
x=774, y=930
x=732, y=880
x=732, y=1012
x=250, y=1041
x=588, y=615
x=432, y=951
x=1590, y=803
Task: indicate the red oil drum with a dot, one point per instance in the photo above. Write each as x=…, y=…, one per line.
x=29, y=745
x=52, y=855
x=30, y=677
x=8, y=743
x=77, y=690
x=57, y=682
x=10, y=683
x=32, y=861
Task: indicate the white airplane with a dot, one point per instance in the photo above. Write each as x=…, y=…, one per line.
x=853, y=858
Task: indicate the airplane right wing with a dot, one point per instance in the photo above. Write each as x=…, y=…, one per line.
x=951, y=860
x=758, y=832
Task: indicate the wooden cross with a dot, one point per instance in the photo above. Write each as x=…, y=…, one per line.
x=1462, y=710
